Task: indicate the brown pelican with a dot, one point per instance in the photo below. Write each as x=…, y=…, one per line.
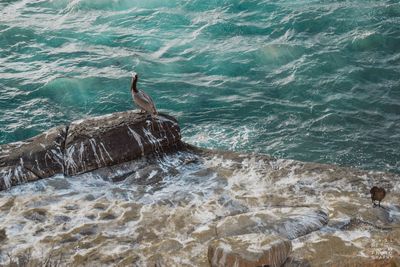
x=141, y=99
x=377, y=194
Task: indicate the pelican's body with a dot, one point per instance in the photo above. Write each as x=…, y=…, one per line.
x=141, y=99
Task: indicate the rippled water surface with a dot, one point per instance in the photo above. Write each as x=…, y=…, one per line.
x=308, y=80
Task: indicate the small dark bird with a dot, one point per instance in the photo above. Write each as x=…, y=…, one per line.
x=377, y=194
x=141, y=99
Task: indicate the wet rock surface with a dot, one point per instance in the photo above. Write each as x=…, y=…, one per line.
x=249, y=250
x=167, y=209
x=108, y=140
x=32, y=159
x=87, y=145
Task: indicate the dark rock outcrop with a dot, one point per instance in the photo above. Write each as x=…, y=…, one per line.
x=87, y=145
x=116, y=138
x=32, y=159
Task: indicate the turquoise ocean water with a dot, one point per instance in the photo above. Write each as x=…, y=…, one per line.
x=307, y=80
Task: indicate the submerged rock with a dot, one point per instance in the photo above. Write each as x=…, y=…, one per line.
x=287, y=222
x=300, y=224
x=294, y=262
x=87, y=145
x=3, y=235
x=249, y=250
x=347, y=248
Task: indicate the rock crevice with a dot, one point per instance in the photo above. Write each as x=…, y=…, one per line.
x=63, y=146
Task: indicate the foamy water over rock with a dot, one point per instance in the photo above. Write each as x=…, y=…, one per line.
x=249, y=250
x=169, y=209
x=173, y=208
x=290, y=222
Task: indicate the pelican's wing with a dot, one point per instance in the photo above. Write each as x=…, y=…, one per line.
x=148, y=99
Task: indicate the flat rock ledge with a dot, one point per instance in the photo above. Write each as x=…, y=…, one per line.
x=249, y=250
x=87, y=145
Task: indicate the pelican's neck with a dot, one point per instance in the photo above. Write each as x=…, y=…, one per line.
x=133, y=86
